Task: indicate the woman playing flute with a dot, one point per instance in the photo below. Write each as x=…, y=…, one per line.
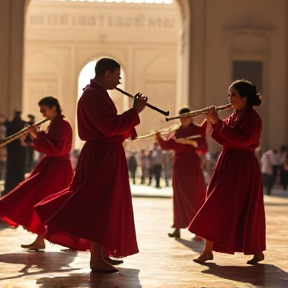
x=232, y=218
x=53, y=173
x=187, y=177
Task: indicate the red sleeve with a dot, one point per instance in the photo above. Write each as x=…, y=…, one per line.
x=102, y=115
x=169, y=144
x=59, y=147
x=240, y=136
x=202, y=142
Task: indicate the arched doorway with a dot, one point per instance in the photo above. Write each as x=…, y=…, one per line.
x=139, y=58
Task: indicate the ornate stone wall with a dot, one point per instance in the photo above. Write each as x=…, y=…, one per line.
x=63, y=37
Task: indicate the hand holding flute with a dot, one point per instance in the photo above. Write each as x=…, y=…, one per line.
x=139, y=102
x=212, y=114
x=17, y=135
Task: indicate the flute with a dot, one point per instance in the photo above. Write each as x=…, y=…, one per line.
x=164, y=131
x=199, y=112
x=147, y=104
x=18, y=134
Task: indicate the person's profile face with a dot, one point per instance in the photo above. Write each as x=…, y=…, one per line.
x=237, y=102
x=47, y=112
x=113, y=78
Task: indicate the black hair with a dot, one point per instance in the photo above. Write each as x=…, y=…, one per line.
x=50, y=102
x=249, y=90
x=104, y=64
x=184, y=110
x=31, y=116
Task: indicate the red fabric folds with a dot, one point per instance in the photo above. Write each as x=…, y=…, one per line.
x=52, y=174
x=233, y=215
x=98, y=205
x=189, y=188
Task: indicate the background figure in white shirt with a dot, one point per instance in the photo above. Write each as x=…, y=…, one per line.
x=267, y=171
x=276, y=164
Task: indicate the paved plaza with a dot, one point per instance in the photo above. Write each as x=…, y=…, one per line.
x=162, y=262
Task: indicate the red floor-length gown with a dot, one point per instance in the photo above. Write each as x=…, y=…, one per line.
x=98, y=205
x=53, y=173
x=189, y=188
x=233, y=214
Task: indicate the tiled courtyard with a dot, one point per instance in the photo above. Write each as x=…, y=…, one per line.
x=162, y=262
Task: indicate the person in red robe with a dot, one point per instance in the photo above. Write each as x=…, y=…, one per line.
x=232, y=219
x=95, y=213
x=188, y=183
x=52, y=174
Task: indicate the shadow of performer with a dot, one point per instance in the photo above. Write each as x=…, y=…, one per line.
x=125, y=278
x=263, y=275
x=196, y=246
x=39, y=262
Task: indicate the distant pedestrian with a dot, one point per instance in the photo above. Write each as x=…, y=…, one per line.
x=132, y=166
x=156, y=163
x=267, y=171
x=16, y=152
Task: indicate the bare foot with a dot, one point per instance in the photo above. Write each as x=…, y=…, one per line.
x=205, y=256
x=256, y=258
x=34, y=246
x=101, y=265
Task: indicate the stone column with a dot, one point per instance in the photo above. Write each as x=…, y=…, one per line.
x=12, y=15
x=183, y=52
x=197, y=38
x=191, y=60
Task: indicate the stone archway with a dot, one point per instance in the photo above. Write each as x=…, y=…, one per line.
x=12, y=94
x=40, y=18
x=185, y=83
x=12, y=15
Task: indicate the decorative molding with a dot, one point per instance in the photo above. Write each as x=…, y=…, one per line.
x=78, y=19
x=249, y=37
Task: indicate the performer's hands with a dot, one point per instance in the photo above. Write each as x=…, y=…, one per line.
x=212, y=115
x=33, y=130
x=186, y=141
x=139, y=102
x=133, y=134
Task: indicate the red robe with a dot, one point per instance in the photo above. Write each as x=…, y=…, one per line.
x=233, y=214
x=98, y=205
x=52, y=174
x=189, y=188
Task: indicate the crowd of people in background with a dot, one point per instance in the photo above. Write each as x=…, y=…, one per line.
x=152, y=167
x=274, y=168
x=143, y=170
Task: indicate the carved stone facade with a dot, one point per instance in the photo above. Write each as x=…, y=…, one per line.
x=185, y=54
x=62, y=37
